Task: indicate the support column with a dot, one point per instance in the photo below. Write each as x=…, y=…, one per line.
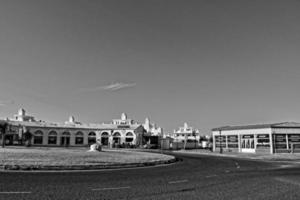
x=255, y=141
x=98, y=136
x=72, y=139
x=271, y=143
x=239, y=142
x=287, y=141
x=58, y=141
x=85, y=137
x=45, y=138
x=214, y=143
x=122, y=138
x=110, y=141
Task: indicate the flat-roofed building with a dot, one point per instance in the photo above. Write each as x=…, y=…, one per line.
x=262, y=138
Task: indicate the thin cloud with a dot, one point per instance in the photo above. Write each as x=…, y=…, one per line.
x=117, y=86
x=6, y=102
x=112, y=87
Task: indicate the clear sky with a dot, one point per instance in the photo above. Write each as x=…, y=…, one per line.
x=206, y=62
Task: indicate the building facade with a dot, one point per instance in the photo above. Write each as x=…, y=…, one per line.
x=184, y=133
x=264, y=138
x=123, y=131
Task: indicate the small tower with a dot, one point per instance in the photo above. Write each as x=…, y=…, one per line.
x=147, y=124
x=21, y=116
x=124, y=116
x=21, y=112
x=147, y=121
x=72, y=119
x=185, y=126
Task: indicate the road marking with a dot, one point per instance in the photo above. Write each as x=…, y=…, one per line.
x=15, y=192
x=112, y=188
x=179, y=181
x=213, y=175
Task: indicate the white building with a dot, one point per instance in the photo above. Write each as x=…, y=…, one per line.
x=263, y=138
x=152, y=129
x=184, y=133
x=123, y=131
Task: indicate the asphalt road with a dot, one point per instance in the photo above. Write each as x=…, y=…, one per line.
x=196, y=177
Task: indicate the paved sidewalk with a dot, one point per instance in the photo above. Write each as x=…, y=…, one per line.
x=282, y=157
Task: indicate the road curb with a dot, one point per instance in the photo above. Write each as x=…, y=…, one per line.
x=83, y=167
x=264, y=158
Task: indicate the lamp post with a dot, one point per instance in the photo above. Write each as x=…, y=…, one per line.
x=220, y=140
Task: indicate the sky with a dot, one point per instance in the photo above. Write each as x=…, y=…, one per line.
x=209, y=63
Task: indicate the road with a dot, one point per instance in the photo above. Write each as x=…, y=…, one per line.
x=195, y=177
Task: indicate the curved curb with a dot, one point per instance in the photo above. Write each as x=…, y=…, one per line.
x=83, y=167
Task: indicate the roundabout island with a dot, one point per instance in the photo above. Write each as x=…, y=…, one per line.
x=51, y=158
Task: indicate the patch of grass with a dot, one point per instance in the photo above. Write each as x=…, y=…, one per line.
x=73, y=156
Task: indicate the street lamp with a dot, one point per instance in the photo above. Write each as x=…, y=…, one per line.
x=220, y=140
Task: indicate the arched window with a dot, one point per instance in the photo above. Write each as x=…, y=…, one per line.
x=104, y=138
x=66, y=134
x=52, y=137
x=117, y=138
x=79, y=138
x=92, y=138
x=38, y=137
x=129, y=137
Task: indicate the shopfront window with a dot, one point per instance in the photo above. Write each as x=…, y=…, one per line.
x=294, y=141
x=220, y=141
x=263, y=140
x=280, y=141
x=247, y=142
x=232, y=141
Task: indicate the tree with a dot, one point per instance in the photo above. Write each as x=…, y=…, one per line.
x=27, y=138
x=3, y=129
x=140, y=131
